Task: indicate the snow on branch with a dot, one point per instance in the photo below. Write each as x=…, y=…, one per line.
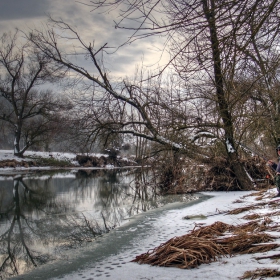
x=165, y=141
x=230, y=148
x=202, y=134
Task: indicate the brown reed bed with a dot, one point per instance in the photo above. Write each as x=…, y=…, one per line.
x=243, y=242
x=183, y=252
x=205, y=244
x=265, y=217
x=259, y=273
x=252, y=226
x=260, y=197
x=275, y=213
x=242, y=209
x=273, y=257
x=210, y=231
x=251, y=216
x=251, y=207
x=261, y=248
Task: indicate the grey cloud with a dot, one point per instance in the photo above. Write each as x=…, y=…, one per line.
x=20, y=9
x=92, y=27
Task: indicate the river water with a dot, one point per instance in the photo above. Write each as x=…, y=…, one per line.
x=49, y=216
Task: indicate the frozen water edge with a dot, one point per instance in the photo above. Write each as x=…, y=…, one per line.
x=110, y=257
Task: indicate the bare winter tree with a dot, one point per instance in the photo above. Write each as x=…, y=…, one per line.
x=30, y=110
x=212, y=44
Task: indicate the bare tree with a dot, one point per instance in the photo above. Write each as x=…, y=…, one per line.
x=210, y=48
x=26, y=106
x=212, y=43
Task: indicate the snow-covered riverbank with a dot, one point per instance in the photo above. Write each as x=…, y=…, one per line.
x=111, y=257
x=54, y=160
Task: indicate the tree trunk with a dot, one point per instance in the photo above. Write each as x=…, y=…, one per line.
x=16, y=145
x=223, y=108
x=17, y=151
x=240, y=173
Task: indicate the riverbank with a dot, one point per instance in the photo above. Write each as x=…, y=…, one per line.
x=111, y=257
x=45, y=160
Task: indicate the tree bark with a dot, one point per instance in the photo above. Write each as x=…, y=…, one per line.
x=238, y=168
x=17, y=141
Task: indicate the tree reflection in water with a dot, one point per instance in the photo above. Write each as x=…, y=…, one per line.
x=42, y=218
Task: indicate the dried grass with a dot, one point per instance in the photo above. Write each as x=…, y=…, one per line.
x=243, y=242
x=205, y=244
x=251, y=217
x=210, y=231
x=274, y=202
x=273, y=257
x=183, y=252
x=250, y=207
x=275, y=213
x=242, y=209
x=252, y=226
x=261, y=273
x=261, y=248
x=266, y=219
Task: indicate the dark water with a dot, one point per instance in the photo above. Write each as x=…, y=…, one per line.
x=44, y=216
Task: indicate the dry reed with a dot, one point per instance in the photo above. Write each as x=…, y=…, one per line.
x=205, y=244
x=183, y=252
x=261, y=248
x=242, y=209
x=252, y=226
x=251, y=216
x=261, y=273
x=243, y=242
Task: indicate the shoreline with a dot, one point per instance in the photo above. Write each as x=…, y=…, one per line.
x=160, y=228
x=24, y=171
x=110, y=244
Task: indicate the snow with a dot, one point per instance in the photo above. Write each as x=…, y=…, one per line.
x=71, y=157
x=230, y=148
x=116, y=263
x=168, y=142
x=202, y=134
x=9, y=154
x=109, y=166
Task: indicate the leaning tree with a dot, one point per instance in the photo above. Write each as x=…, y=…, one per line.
x=212, y=44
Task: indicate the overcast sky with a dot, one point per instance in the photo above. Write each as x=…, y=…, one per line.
x=30, y=14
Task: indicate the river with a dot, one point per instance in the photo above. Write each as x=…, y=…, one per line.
x=49, y=216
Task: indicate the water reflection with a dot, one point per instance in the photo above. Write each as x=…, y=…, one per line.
x=45, y=215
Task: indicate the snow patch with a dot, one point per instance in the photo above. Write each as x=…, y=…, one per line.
x=230, y=148
x=166, y=141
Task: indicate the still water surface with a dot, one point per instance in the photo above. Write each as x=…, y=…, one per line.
x=43, y=216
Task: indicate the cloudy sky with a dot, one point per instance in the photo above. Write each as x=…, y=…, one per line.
x=30, y=14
